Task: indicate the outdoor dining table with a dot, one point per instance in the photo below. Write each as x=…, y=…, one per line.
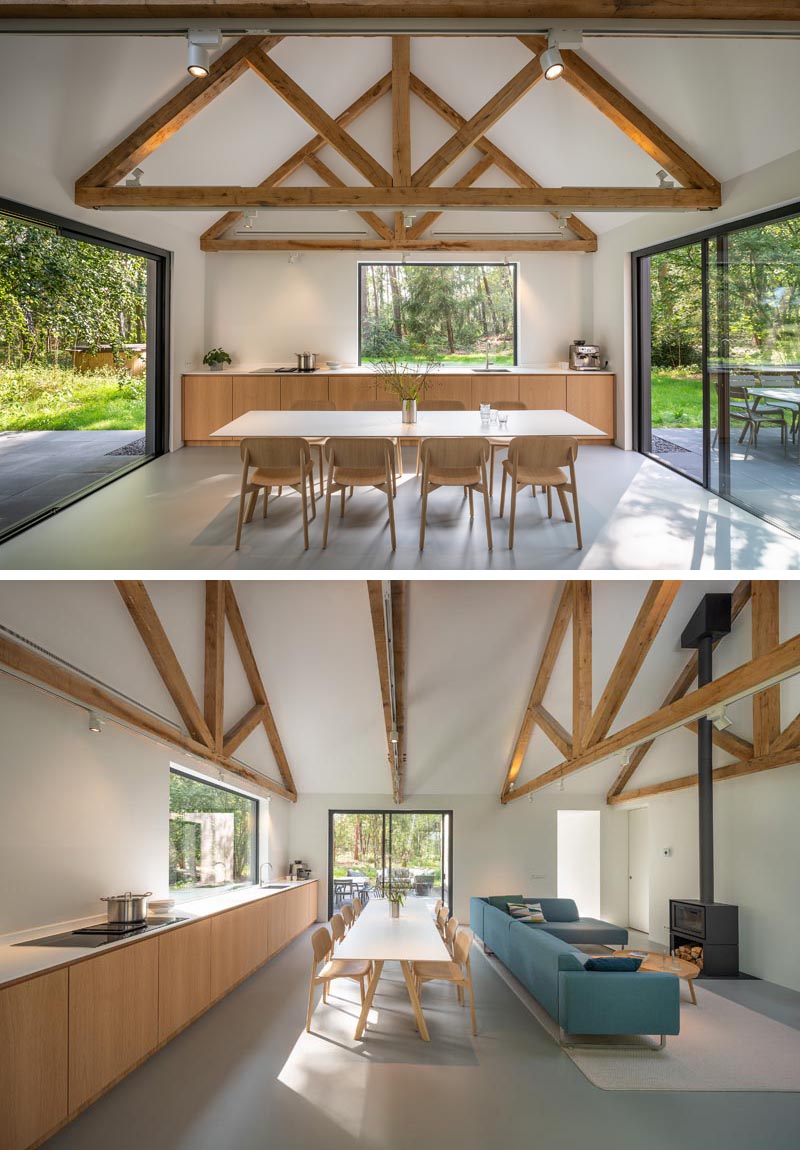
x=379, y=938
x=788, y=397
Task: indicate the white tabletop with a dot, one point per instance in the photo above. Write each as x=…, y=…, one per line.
x=388, y=424
x=377, y=936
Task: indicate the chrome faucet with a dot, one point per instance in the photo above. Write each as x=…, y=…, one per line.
x=488, y=365
x=261, y=872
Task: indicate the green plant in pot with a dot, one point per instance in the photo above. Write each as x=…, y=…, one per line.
x=396, y=895
x=216, y=358
x=405, y=373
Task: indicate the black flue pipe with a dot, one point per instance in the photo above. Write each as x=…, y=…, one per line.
x=705, y=778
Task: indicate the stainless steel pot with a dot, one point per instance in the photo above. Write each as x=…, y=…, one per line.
x=127, y=907
x=306, y=360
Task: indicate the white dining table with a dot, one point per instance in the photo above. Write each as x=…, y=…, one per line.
x=379, y=938
x=388, y=425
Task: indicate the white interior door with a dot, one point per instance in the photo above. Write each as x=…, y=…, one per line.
x=639, y=869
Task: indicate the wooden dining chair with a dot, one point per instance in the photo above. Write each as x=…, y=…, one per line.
x=317, y=442
x=458, y=972
x=278, y=462
x=359, y=463
x=441, y=919
x=357, y=908
x=435, y=405
x=356, y=969
x=538, y=460
x=455, y=463
x=437, y=907
x=385, y=405
x=450, y=932
x=338, y=929
x=496, y=444
x=348, y=915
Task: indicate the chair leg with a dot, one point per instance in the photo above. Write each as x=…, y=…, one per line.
x=472, y=1004
x=305, y=513
x=513, y=517
x=240, y=517
x=577, y=517
x=344, y=493
x=266, y=503
x=399, y=458
x=310, y=1010
x=549, y=502
x=391, y=515
x=327, y=509
x=471, y=506
x=251, y=505
x=419, y=458
x=313, y=500
x=486, y=505
x=562, y=499
x=325, y=991
x=492, y=452
x=321, y=467
x=423, y=512
x=503, y=493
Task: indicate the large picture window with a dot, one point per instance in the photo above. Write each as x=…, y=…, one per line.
x=718, y=361
x=458, y=313
x=213, y=837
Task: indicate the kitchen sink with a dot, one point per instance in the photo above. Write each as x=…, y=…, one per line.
x=491, y=370
x=276, y=885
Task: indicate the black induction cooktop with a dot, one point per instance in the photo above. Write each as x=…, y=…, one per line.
x=102, y=933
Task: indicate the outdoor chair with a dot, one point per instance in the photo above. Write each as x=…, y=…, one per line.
x=279, y=462
x=751, y=414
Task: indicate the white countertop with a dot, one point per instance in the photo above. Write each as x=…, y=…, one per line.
x=367, y=369
x=388, y=424
x=18, y=962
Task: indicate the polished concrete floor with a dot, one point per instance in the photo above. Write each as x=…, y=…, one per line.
x=247, y=1077
x=179, y=513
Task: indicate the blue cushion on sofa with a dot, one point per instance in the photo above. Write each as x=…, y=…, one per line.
x=628, y=965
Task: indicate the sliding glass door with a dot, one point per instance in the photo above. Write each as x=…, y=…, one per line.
x=83, y=342
x=718, y=362
x=370, y=851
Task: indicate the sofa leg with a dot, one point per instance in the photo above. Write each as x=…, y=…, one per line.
x=486, y=950
x=567, y=1043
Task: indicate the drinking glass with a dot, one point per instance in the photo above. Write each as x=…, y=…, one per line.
x=502, y=418
x=486, y=409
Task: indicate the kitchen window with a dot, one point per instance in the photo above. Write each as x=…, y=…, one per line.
x=455, y=313
x=213, y=837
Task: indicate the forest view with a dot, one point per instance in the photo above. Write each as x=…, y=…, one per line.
x=452, y=312
x=211, y=835
x=413, y=839
x=71, y=315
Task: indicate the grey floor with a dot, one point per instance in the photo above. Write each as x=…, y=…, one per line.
x=38, y=468
x=179, y=513
x=245, y=1077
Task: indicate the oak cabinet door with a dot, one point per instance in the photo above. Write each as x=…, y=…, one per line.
x=348, y=391
x=296, y=389
x=449, y=387
x=184, y=976
x=33, y=1059
x=543, y=392
x=591, y=397
x=255, y=393
x=207, y=404
x=277, y=923
x=113, y=1017
x=494, y=389
x=237, y=946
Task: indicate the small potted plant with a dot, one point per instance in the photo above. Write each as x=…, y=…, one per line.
x=216, y=358
x=396, y=896
x=404, y=372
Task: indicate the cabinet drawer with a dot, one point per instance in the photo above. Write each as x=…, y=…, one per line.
x=184, y=976
x=255, y=393
x=207, y=404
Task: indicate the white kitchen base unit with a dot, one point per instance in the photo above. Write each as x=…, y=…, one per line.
x=71, y=1032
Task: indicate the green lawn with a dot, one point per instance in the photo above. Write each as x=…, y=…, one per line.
x=676, y=401
x=57, y=399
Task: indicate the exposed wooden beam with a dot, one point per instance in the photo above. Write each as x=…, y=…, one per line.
x=728, y=741
x=487, y=244
x=399, y=641
x=174, y=113
x=378, y=619
x=765, y=621
x=140, y=607
x=332, y=180
x=228, y=196
x=738, y=770
x=250, y=666
x=741, y=597
x=295, y=161
x=477, y=170
x=581, y=662
x=478, y=124
x=214, y=673
x=552, y=647
x=88, y=693
x=557, y=734
x=637, y=126
x=327, y=127
x=652, y=613
x=755, y=675
x=244, y=727
x=401, y=123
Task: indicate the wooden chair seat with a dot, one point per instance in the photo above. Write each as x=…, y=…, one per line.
x=449, y=971
x=554, y=477
x=280, y=476
x=345, y=968
x=358, y=477
x=455, y=477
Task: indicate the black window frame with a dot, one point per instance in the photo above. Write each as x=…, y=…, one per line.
x=173, y=770
x=513, y=264
x=640, y=316
x=159, y=355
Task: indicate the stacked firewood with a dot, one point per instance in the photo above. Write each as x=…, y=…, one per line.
x=690, y=954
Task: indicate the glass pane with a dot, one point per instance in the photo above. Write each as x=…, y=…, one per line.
x=457, y=313
x=673, y=385
x=212, y=837
x=74, y=366
x=357, y=854
x=754, y=367
x=416, y=854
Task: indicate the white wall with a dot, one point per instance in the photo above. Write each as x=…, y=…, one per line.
x=261, y=308
x=496, y=849
x=579, y=870
x=83, y=815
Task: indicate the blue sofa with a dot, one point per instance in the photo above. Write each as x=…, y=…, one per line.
x=563, y=920
x=582, y=1002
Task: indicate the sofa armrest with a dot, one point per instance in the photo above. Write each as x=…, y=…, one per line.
x=599, y=1002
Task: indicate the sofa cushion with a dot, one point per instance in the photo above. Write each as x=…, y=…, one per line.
x=526, y=911
x=585, y=930
x=501, y=900
x=556, y=909
x=620, y=965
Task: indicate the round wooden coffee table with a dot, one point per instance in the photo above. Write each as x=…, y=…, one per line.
x=665, y=962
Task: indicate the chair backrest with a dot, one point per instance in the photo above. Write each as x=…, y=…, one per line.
x=542, y=452
x=777, y=381
x=313, y=405
x=450, y=931
x=508, y=405
x=356, y=906
x=442, y=405
x=322, y=943
x=736, y=391
x=438, y=906
x=378, y=405
x=360, y=454
x=469, y=451
x=337, y=927
x=275, y=451
x=743, y=379
x=462, y=946
x=347, y=915
x=441, y=917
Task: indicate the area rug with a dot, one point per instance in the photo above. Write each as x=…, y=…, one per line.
x=722, y=1046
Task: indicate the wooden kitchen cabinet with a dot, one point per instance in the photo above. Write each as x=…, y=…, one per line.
x=452, y=387
x=255, y=393
x=493, y=389
x=591, y=397
x=348, y=391
x=184, y=976
x=543, y=392
x=277, y=922
x=113, y=1017
x=300, y=388
x=33, y=1059
x=207, y=405
x=238, y=945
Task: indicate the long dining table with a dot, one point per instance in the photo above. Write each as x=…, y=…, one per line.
x=379, y=938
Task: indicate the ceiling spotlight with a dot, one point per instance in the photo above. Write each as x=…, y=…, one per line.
x=134, y=180
x=625, y=758
x=511, y=786
x=394, y=737
x=663, y=179
x=404, y=259
x=552, y=63
x=718, y=716
x=294, y=257
x=95, y=723
x=561, y=783
x=530, y=797
x=563, y=221
x=249, y=220
x=200, y=43
x=409, y=220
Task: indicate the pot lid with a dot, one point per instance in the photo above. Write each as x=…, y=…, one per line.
x=126, y=896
